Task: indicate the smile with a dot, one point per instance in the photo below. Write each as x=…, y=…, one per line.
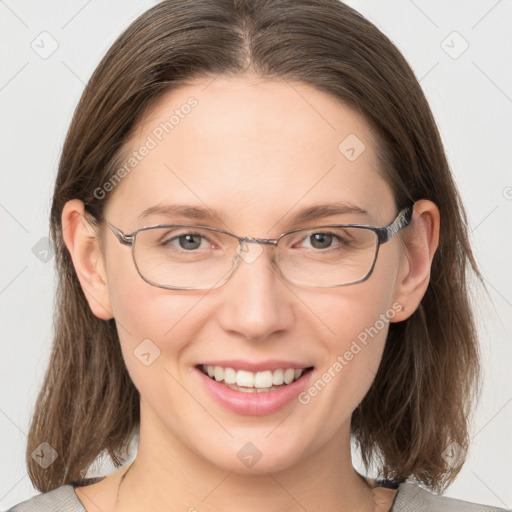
x=253, y=382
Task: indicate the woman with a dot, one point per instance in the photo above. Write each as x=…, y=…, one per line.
x=262, y=255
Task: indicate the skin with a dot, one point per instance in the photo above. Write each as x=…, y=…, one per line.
x=258, y=151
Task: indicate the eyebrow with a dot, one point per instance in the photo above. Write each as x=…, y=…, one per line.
x=326, y=210
x=202, y=214
x=189, y=212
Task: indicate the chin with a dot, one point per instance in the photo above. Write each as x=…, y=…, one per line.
x=253, y=457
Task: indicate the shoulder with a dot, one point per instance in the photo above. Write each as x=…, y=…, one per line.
x=413, y=498
x=62, y=499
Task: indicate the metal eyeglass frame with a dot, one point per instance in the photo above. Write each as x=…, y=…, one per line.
x=384, y=234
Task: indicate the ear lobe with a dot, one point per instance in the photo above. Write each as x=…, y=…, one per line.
x=83, y=245
x=421, y=239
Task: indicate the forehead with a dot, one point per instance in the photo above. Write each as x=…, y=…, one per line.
x=252, y=149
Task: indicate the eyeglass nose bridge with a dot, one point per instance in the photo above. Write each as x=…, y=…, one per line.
x=251, y=256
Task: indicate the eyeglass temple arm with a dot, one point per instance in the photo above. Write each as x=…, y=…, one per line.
x=124, y=239
x=403, y=219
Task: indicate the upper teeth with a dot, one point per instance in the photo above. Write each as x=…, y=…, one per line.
x=248, y=379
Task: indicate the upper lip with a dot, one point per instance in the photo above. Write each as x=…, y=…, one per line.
x=256, y=366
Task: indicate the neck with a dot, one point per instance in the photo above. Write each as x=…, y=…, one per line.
x=167, y=475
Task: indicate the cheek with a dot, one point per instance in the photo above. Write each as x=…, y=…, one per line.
x=360, y=311
x=156, y=328
x=150, y=320
x=354, y=323
x=358, y=330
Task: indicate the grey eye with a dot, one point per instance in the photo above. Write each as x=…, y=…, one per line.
x=321, y=240
x=190, y=241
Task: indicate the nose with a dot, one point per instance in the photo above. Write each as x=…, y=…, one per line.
x=255, y=302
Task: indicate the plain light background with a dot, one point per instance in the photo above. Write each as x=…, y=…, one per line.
x=460, y=50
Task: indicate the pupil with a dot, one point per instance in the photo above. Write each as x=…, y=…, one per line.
x=321, y=240
x=190, y=241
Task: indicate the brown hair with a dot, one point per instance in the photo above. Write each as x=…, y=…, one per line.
x=421, y=396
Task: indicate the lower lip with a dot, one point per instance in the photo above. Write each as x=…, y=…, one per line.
x=254, y=404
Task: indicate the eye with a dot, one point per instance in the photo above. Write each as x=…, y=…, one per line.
x=321, y=240
x=326, y=239
x=185, y=241
x=189, y=241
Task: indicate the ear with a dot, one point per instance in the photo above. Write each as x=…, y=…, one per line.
x=421, y=239
x=83, y=245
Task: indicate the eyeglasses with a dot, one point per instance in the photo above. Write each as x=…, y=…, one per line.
x=188, y=257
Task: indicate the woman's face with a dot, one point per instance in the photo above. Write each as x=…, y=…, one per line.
x=257, y=153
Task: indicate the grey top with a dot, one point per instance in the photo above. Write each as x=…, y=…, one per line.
x=409, y=498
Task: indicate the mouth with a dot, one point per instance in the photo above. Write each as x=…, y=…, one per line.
x=253, y=382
